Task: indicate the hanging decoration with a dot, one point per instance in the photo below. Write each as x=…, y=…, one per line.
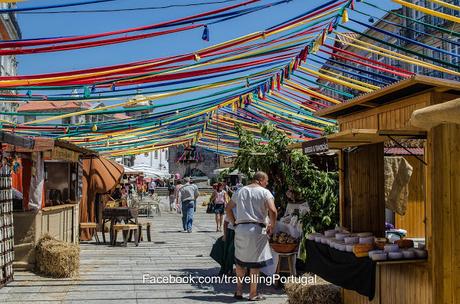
x=283, y=74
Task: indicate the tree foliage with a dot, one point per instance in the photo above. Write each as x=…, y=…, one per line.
x=292, y=176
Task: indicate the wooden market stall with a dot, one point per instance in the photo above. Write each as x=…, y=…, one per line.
x=8, y=196
x=368, y=122
x=50, y=179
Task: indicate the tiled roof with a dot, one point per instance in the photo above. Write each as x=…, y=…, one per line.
x=120, y=116
x=68, y=106
x=401, y=151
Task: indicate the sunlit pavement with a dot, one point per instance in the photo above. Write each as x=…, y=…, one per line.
x=115, y=274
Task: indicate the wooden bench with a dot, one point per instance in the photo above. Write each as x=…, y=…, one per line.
x=126, y=230
x=91, y=226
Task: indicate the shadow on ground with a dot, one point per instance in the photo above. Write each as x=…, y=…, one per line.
x=220, y=292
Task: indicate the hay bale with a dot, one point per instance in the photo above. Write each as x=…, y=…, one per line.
x=56, y=258
x=319, y=292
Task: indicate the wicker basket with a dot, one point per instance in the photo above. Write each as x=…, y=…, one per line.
x=284, y=248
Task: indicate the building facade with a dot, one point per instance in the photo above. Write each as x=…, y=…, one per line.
x=193, y=162
x=64, y=107
x=395, y=23
x=9, y=30
x=157, y=160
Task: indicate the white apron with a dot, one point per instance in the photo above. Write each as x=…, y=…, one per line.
x=252, y=249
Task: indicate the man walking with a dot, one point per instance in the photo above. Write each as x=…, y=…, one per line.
x=252, y=205
x=187, y=197
x=152, y=186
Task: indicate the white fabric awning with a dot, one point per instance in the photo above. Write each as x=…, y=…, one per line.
x=149, y=172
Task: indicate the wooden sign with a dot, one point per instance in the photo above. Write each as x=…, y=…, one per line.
x=58, y=153
x=315, y=146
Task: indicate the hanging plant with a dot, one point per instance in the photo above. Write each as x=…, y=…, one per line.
x=292, y=176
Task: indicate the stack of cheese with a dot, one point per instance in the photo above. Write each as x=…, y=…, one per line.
x=363, y=244
x=401, y=249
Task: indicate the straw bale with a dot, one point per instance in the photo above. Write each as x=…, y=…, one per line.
x=320, y=292
x=56, y=258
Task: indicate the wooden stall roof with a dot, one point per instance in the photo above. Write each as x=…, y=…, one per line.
x=41, y=144
x=15, y=140
x=73, y=147
x=134, y=173
x=354, y=137
x=359, y=137
x=390, y=94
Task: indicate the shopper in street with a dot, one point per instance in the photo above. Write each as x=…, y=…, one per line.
x=152, y=186
x=220, y=199
x=252, y=251
x=176, y=196
x=187, y=196
x=172, y=195
x=228, y=259
x=117, y=193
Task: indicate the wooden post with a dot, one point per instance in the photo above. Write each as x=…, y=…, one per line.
x=366, y=193
x=341, y=190
x=445, y=179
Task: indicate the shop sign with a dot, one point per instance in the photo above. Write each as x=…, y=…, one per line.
x=58, y=153
x=315, y=146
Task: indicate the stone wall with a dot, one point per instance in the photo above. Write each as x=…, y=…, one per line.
x=204, y=161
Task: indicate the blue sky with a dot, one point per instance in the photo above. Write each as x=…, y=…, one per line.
x=51, y=25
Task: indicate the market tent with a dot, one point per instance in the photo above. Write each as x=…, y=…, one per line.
x=100, y=175
x=131, y=171
x=234, y=172
x=149, y=172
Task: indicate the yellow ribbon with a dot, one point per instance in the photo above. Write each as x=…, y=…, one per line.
x=429, y=11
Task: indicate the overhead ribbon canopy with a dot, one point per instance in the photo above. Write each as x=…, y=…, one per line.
x=282, y=74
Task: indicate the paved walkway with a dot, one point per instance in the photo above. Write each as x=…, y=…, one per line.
x=115, y=274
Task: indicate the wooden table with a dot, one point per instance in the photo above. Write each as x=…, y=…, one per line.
x=117, y=215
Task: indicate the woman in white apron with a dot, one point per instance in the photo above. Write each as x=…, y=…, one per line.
x=253, y=203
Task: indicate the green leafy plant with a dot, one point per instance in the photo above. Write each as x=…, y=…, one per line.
x=292, y=176
x=330, y=129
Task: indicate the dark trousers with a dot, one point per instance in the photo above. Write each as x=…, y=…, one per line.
x=229, y=252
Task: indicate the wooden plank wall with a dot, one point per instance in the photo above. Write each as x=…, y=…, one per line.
x=352, y=297
x=414, y=219
x=405, y=284
x=59, y=223
x=366, y=201
x=445, y=181
x=394, y=116
x=399, y=284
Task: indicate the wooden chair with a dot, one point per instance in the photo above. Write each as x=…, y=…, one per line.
x=91, y=227
x=147, y=227
x=126, y=230
x=286, y=259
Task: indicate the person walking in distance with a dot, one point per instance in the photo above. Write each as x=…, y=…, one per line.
x=220, y=199
x=252, y=251
x=187, y=196
x=176, y=196
x=152, y=186
x=172, y=195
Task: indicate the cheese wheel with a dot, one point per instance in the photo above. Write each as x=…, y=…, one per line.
x=341, y=236
x=391, y=248
x=362, y=250
x=366, y=240
x=351, y=240
x=405, y=243
x=330, y=233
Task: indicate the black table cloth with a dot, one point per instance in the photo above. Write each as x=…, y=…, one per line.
x=343, y=269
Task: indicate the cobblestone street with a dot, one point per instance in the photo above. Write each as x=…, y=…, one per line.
x=115, y=274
